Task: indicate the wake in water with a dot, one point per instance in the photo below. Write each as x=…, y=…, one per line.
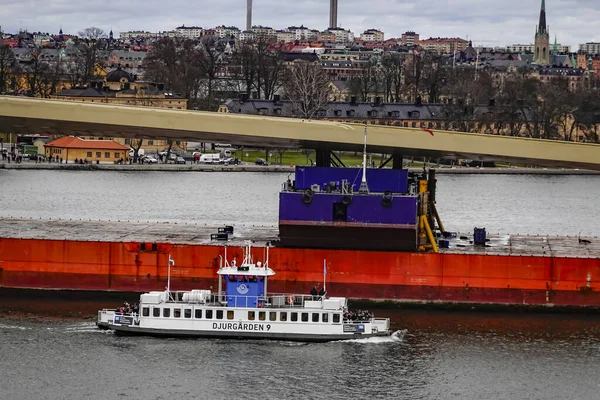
x=395, y=337
x=21, y=328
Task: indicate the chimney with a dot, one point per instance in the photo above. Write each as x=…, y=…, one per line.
x=93, y=85
x=492, y=102
x=242, y=97
x=352, y=100
x=333, y=12
x=248, y=15
x=418, y=101
x=161, y=86
x=276, y=98
x=378, y=101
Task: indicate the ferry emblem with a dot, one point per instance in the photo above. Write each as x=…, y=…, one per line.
x=243, y=289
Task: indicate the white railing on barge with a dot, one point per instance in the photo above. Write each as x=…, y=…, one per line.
x=278, y=300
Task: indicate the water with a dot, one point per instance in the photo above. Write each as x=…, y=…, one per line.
x=435, y=355
x=532, y=204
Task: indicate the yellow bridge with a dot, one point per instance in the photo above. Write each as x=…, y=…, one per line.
x=26, y=115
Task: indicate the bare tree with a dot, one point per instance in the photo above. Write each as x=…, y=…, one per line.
x=89, y=55
x=269, y=70
x=307, y=87
x=391, y=74
x=7, y=66
x=367, y=81
x=212, y=61
x=35, y=72
x=244, y=67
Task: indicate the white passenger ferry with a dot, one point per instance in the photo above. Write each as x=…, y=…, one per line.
x=244, y=309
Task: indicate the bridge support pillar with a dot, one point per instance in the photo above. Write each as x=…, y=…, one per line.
x=323, y=158
x=397, y=161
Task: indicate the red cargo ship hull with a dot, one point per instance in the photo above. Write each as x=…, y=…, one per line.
x=399, y=276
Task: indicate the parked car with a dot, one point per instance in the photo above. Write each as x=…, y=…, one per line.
x=179, y=160
x=231, y=161
x=150, y=160
x=261, y=161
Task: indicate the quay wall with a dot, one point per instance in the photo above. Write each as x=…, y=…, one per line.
x=277, y=168
x=397, y=276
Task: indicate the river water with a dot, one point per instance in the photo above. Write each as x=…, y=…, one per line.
x=434, y=354
x=532, y=204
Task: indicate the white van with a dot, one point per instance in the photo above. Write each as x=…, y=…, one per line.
x=141, y=152
x=210, y=158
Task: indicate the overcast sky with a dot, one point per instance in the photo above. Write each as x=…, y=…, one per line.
x=486, y=22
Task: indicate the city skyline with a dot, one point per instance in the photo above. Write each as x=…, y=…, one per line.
x=499, y=23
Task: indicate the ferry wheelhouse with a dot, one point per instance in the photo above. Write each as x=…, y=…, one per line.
x=243, y=308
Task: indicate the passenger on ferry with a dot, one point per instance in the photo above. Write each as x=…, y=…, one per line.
x=322, y=292
x=314, y=292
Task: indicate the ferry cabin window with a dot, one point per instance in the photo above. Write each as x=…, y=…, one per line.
x=315, y=317
x=198, y=314
x=156, y=312
x=273, y=316
x=262, y=315
x=166, y=312
x=325, y=317
x=146, y=311
x=283, y=316
x=251, y=315
x=187, y=313
x=294, y=317
x=336, y=318
x=209, y=314
x=177, y=313
x=304, y=317
x=219, y=314
x=229, y=314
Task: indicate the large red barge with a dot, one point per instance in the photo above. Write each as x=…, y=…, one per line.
x=122, y=256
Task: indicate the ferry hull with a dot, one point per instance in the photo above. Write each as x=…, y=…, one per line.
x=126, y=330
x=373, y=275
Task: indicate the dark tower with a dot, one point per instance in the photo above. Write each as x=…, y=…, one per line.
x=333, y=13
x=541, y=55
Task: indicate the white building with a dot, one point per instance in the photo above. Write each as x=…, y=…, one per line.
x=529, y=48
x=590, y=48
x=246, y=35
x=263, y=31
x=301, y=32
x=223, y=31
x=189, y=32
x=136, y=34
x=285, y=36
x=372, y=35
x=341, y=35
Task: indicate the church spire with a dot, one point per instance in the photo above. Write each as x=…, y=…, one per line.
x=542, y=28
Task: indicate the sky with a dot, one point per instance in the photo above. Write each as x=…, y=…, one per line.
x=486, y=22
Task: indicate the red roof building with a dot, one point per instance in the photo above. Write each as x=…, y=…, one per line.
x=71, y=148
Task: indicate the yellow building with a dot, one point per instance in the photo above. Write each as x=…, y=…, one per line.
x=70, y=148
x=120, y=88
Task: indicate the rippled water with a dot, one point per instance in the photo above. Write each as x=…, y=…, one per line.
x=434, y=356
x=533, y=204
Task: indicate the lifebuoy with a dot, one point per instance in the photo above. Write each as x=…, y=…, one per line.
x=290, y=300
x=387, y=193
x=307, y=196
x=346, y=200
